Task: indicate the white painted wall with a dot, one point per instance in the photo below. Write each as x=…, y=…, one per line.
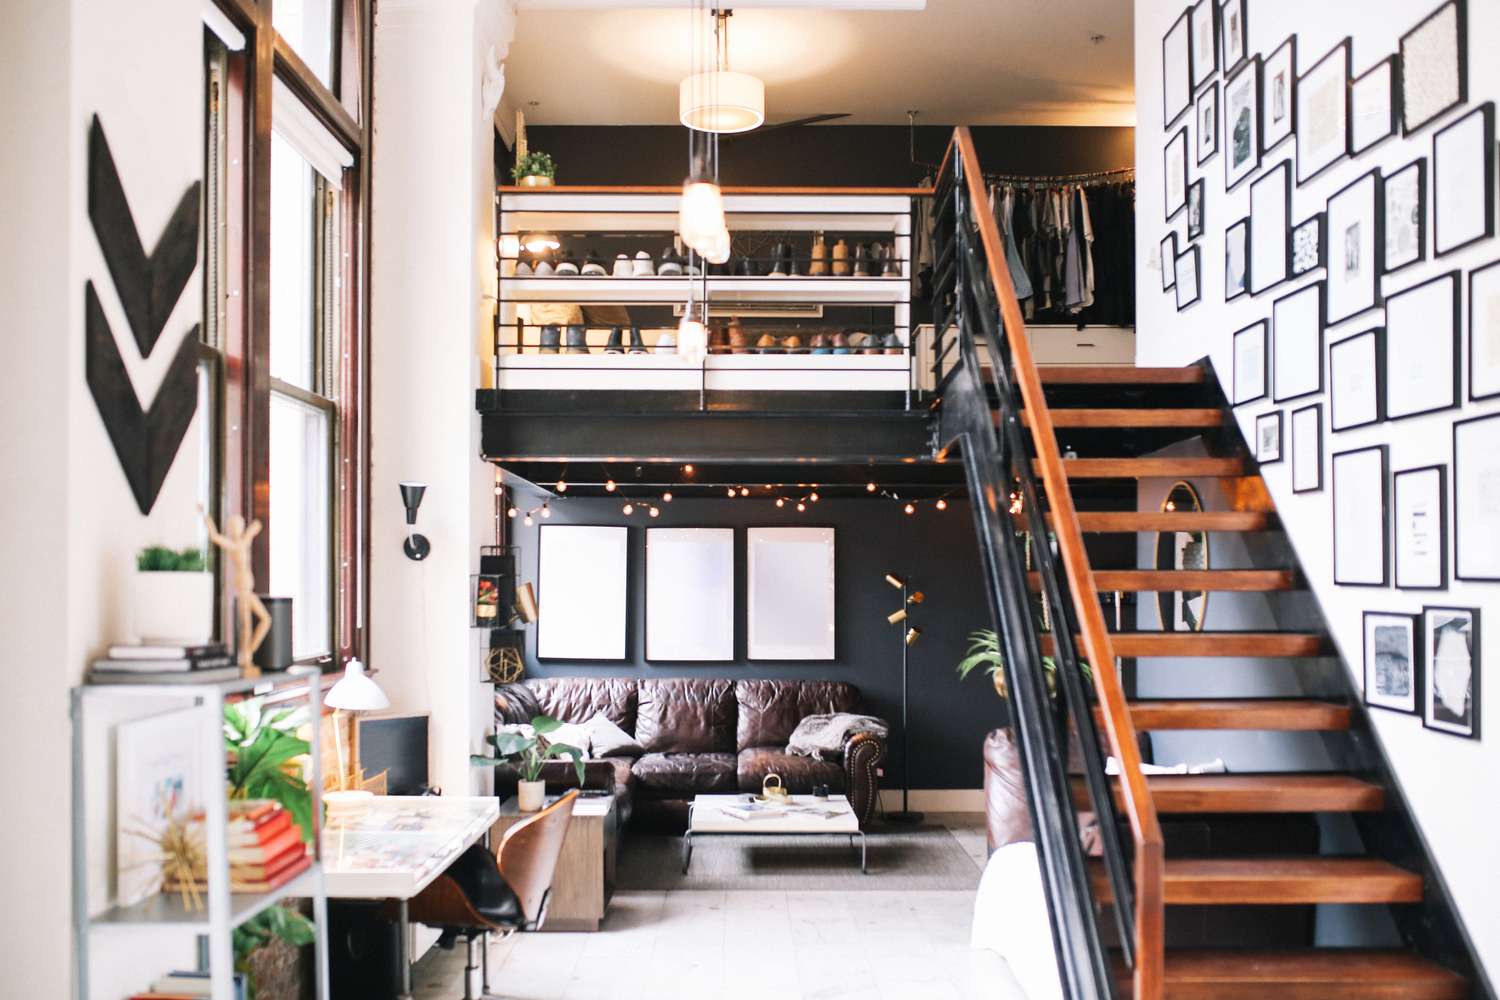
x=1448, y=781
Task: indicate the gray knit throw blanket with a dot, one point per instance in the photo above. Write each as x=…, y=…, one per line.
x=824, y=735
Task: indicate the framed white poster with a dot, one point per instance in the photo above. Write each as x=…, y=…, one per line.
x=1450, y=650
x=1373, y=105
x=1176, y=70
x=790, y=593
x=1476, y=498
x=1168, y=261
x=159, y=776
x=1307, y=449
x=1277, y=99
x=1237, y=260
x=1242, y=124
x=1354, y=380
x=1297, y=343
x=1250, y=363
x=1361, y=539
x=1484, y=332
x=1323, y=113
x=1463, y=181
x=1434, y=66
x=1422, y=528
x=582, y=592
x=1356, y=245
x=1270, y=214
x=1393, y=662
x=1205, y=41
x=689, y=594
x=1175, y=165
x=1189, y=272
x=1421, y=348
x=1406, y=216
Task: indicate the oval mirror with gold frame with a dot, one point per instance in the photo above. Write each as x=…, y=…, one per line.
x=1182, y=610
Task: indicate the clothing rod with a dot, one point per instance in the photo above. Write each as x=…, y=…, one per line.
x=1122, y=173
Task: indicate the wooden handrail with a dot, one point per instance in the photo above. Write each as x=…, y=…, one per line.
x=1140, y=810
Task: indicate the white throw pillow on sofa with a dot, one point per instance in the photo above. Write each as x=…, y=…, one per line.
x=609, y=740
x=574, y=734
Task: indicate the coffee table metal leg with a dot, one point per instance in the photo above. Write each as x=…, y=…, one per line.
x=863, y=869
x=404, y=956
x=687, y=850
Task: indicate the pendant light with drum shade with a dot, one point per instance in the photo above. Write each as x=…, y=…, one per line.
x=720, y=100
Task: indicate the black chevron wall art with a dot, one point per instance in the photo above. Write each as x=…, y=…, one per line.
x=145, y=439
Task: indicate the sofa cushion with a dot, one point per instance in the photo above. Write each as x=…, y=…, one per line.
x=683, y=775
x=686, y=715
x=608, y=740
x=770, y=710
x=799, y=774
x=577, y=699
x=515, y=704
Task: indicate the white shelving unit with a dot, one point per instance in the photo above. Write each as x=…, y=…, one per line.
x=96, y=709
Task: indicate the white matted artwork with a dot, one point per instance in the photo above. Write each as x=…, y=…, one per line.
x=689, y=594
x=1421, y=348
x=1463, y=181
x=1357, y=248
x=1307, y=449
x=1297, y=343
x=1372, y=106
x=582, y=587
x=1354, y=381
x=1484, y=332
x=1176, y=70
x=1406, y=215
x=1202, y=17
x=1323, y=113
x=1277, y=100
x=1250, y=363
x=158, y=777
x=1361, y=535
x=1422, y=528
x=1476, y=498
x=1189, y=272
x=1241, y=123
x=1270, y=209
x=790, y=595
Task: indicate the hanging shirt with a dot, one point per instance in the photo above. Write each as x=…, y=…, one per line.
x=1003, y=208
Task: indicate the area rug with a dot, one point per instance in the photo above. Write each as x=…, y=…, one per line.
x=927, y=857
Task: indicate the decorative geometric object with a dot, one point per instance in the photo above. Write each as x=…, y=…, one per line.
x=1434, y=66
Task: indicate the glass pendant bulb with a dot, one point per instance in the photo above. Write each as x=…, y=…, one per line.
x=700, y=216
x=692, y=340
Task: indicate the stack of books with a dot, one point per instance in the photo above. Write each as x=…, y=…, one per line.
x=130, y=664
x=185, y=986
x=265, y=849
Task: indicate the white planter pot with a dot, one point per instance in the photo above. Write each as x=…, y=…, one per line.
x=174, y=609
x=530, y=795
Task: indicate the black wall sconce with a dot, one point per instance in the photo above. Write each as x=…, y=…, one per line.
x=416, y=546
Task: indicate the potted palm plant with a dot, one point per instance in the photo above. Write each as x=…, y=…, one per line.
x=984, y=652
x=528, y=752
x=172, y=597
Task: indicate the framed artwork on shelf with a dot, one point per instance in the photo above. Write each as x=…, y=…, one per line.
x=1355, y=381
x=1361, y=518
x=1323, y=113
x=1278, y=100
x=1355, y=225
x=1484, y=332
x=1450, y=652
x=1271, y=208
x=1176, y=70
x=1374, y=106
x=1309, y=244
x=1307, y=449
x=1241, y=123
x=1202, y=17
x=1422, y=348
x=1207, y=117
x=1195, y=209
x=582, y=592
x=1250, y=363
x=1393, y=662
x=1476, y=506
x=1422, y=528
x=689, y=594
x=1189, y=273
x=1268, y=437
x=1434, y=66
x=160, y=765
x=1463, y=181
x=1297, y=343
x=1237, y=260
x=1405, y=194
x=1168, y=261
x=1234, y=41
x=1175, y=160
x=790, y=593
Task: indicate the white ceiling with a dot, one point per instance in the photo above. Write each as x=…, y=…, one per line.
x=976, y=62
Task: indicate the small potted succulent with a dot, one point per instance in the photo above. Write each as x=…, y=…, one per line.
x=528, y=751
x=534, y=169
x=172, y=600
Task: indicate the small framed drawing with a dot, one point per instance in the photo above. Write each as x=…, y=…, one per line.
x=790, y=593
x=1205, y=44
x=1323, y=113
x=1195, y=209
x=1234, y=40
x=1271, y=208
x=1422, y=528
x=1434, y=66
x=582, y=592
x=689, y=595
x=1307, y=449
x=1355, y=381
x=1189, y=271
x=1297, y=343
x=1278, y=95
x=1175, y=160
x=1422, y=348
x=1406, y=216
x=1393, y=662
x=1241, y=123
x=1463, y=181
x=1176, y=70
x=1484, y=332
x=1237, y=260
x=1358, y=246
x=1476, y=516
x=1207, y=117
x=1450, y=650
x=1308, y=243
x=1268, y=437
x=1168, y=261
x=1250, y=364
x=1361, y=518
x=1374, y=106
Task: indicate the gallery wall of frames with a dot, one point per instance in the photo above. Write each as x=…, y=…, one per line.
x=1317, y=206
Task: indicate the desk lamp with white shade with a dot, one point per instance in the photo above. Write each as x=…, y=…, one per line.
x=355, y=692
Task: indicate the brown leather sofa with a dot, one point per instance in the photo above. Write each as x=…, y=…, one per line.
x=699, y=735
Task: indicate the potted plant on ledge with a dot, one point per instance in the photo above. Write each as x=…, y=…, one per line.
x=528, y=751
x=534, y=169
x=172, y=597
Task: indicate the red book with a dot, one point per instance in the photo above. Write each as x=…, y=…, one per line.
x=268, y=866
x=262, y=852
x=252, y=812
x=254, y=836
x=276, y=880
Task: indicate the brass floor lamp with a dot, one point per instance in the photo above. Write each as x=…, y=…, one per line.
x=909, y=636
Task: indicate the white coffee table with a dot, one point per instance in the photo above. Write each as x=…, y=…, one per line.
x=832, y=816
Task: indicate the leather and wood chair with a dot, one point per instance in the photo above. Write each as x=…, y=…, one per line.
x=502, y=892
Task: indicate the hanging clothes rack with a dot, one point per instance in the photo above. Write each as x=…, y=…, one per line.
x=1087, y=178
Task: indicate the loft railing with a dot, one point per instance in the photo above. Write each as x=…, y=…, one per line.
x=976, y=309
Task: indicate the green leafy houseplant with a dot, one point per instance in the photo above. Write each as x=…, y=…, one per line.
x=529, y=753
x=160, y=559
x=984, y=651
x=534, y=164
x=261, y=745
x=273, y=924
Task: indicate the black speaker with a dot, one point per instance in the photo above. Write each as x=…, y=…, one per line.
x=275, y=653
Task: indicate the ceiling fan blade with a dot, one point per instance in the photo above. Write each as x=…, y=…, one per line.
x=809, y=120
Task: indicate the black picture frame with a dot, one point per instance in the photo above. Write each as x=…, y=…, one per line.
x=1461, y=66
x=1316, y=410
x=1232, y=60
x=1316, y=226
x=1196, y=190
x=1238, y=234
x=1313, y=350
x=1265, y=279
x=1169, y=261
x=1209, y=8
x=1181, y=135
x=1491, y=360
x=1169, y=113
x=1197, y=264
x=1336, y=260
x=1210, y=96
x=1287, y=52
x=1487, y=112
x=1262, y=330
x=1393, y=122
x=1342, y=50
x=1265, y=424
x=1413, y=624
x=1442, y=528
x=1233, y=178
x=1460, y=515
x=1430, y=719
x=1418, y=336
x=1395, y=180
x=1365, y=348
x=1363, y=496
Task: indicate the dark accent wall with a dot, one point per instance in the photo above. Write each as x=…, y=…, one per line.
x=822, y=155
x=934, y=550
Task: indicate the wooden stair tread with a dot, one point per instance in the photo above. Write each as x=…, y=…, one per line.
x=1212, y=520
x=1183, y=794
x=1311, y=974
x=1187, y=579
x=1283, y=880
x=1142, y=417
x=1240, y=644
x=1286, y=714
x=1145, y=468
x=1118, y=375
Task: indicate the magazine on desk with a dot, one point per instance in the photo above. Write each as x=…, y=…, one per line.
x=750, y=809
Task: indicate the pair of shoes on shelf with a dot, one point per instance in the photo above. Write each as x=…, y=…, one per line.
x=783, y=264
x=593, y=267
x=640, y=266
x=616, y=341
x=575, y=340
x=840, y=257
x=672, y=265
x=740, y=340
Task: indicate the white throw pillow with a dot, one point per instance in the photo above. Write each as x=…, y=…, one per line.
x=1010, y=917
x=609, y=740
x=574, y=734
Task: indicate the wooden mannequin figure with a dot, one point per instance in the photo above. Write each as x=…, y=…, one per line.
x=236, y=545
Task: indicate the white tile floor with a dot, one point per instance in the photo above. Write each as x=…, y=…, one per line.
x=752, y=945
